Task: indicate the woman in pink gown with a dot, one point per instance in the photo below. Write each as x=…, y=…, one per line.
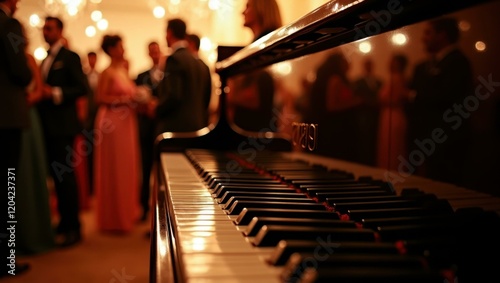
x=116, y=160
x=392, y=124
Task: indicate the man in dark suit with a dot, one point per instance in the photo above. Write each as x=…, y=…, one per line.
x=149, y=78
x=180, y=107
x=64, y=83
x=440, y=83
x=15, y=76
x=194, y=46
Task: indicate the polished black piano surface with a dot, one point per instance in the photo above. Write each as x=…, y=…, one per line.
x=375, y=159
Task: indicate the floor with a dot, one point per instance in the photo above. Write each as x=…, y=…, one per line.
x=98, y=258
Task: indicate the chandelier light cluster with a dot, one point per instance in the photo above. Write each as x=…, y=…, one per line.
x=197, y=8
x=70, y=8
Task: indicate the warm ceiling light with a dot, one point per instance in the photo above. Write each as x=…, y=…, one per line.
x=90, y=31
x=159, y=12
x=480, y=46
x=96, y=15
x=399, y=39
x=35, y=20
x=365, y=47
x=102, y=24
x=40, y=53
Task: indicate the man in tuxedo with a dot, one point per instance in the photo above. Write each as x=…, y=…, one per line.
x=194, y=47
x=441, y=82
x=64, y=83
x=15, y=76
x=181, y=104
x=149, y=78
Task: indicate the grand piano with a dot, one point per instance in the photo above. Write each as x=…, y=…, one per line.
x=304, y=201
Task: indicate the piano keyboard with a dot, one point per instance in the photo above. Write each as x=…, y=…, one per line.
x=291, y=217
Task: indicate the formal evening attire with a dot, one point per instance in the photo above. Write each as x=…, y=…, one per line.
x=151, y=79
x=62, y=70
x=34, y=234
x=181, y=107
x=92, y=78
x=439, y=84
x=15, y=75
x=392, y=127
x=117, y=161
x=367, y=88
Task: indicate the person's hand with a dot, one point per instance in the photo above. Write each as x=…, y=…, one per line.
x=142, y=94
x=47, y=92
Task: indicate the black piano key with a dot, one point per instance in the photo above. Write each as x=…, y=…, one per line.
x=314, y=176
x=247, y=214
x=437, y=207
x=306, y=183
x=239, y=205
x=322, y=247
x=223, y=172
x=232, y=200
x=354, y=183
x=217, y=187
x=314, y=191
x=360, y=214
x=256, y=224
x=344, y=207
x=424, y=197
x=270, y=189
x=352, y=194
x=230, y=177
x=229, y=194
x=299, y=262
x=368, y=275
x=215, y=183
x=270, y=235
x=377, y=222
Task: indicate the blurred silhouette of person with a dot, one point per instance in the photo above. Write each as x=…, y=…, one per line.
x=150, y=78
x=251, y=96
x=15, y=75
x=194, y=46
x=116, y=159
x=440, y=82
x=334, y=107
x=92, y=77
x=393, y=98
x=84, y=141
x=65, y=82
x=34, y=234
x=180, y=107
x=367, y=87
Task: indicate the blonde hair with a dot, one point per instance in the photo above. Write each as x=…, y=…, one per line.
x=268, y=13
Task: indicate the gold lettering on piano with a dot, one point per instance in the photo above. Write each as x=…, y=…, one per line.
x=305, y=135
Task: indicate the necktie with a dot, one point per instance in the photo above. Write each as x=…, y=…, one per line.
x=46, y=63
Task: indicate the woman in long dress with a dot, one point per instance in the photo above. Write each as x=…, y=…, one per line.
x=393, y=122
x=116, y=159
x=34, y=229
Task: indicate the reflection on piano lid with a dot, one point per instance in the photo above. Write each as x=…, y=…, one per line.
x=239, y=206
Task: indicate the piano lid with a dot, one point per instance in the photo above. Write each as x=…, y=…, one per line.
x=335, y=23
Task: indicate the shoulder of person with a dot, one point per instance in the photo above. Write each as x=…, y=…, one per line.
x=8, y=25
